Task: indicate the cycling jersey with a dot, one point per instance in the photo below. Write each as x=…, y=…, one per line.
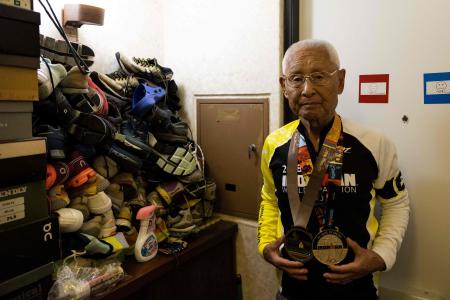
x=370, y=175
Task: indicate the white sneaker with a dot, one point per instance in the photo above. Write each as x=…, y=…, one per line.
x=99, y=203
x=70, y=220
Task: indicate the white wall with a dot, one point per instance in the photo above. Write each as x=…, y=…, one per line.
x=403, y=38
x=132, y=26
x=224, y=47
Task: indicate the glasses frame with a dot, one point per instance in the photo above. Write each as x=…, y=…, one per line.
x=328, y=74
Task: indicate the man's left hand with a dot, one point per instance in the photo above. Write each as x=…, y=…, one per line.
x=366, y=261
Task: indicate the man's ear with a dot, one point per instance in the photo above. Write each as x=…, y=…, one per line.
x=283, y=85
x=341, y=75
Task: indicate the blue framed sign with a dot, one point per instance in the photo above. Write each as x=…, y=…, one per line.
x=436, y=88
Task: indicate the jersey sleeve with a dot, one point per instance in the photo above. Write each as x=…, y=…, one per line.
x=268, y=219
x=393, y=196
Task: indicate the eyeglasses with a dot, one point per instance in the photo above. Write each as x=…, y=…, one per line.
x=316, y=78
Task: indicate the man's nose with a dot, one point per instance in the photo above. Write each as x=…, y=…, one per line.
x=307, y=88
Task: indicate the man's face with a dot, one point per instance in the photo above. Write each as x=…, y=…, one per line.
x=312, y=102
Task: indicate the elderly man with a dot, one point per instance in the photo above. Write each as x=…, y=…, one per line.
x=323, y=175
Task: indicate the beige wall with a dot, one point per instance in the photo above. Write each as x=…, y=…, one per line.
x=405, y=39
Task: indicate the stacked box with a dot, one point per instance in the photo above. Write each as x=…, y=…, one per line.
x=19, y=61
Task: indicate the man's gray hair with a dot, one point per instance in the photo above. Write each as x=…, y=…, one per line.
x=312, y=43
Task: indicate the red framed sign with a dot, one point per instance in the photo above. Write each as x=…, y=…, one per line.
x=374, y=88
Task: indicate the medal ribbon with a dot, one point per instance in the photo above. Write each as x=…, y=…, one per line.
x=301, y=209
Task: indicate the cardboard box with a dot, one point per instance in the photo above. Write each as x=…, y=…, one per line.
x=19, y=29
x=32, y=285
x=29, y=246
x=22, y=161
x=23, y=169
x=18, y=84
x=26, y=4
x=11, y=60
x=16, y=120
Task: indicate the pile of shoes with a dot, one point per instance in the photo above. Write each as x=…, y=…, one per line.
x=116, y=143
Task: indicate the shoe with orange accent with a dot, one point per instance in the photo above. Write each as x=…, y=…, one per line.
x=79, y=170
x=51, y=177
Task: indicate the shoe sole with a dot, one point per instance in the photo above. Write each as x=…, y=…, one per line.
x=58, y=51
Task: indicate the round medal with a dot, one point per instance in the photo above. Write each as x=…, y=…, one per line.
x=329, y=246
x=298, y=244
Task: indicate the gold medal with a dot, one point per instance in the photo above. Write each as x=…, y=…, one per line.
x=329, y=246
x=298, y=244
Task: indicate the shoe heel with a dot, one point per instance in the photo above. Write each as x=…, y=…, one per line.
x=81, y=178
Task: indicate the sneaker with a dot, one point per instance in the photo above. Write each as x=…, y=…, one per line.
x=169, y=191
x=128, y=185
x=92, y=187
x=57, y=197
x=49, y=77
x=92, y=129
x=127, y=161
x=91, y=102
x=115, y=192
x=180, y=163
x=107, y=85
x=126, y=83
x=161, y=231
x=99, y=203
x=105, y=166
x=154, y=199
x=146, y=67
x=75, y=82
x=62, y=172
x=196, y=176
x=70, y=220
x=92, y=226
x=79, y=170
x=184, y=225
x=58, y=51
x=56, y=139
x=144, y=99
x=50, y=177
x=123, y=220
x=80, y=203
x=108, y=225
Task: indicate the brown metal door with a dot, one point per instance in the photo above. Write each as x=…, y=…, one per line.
x=231, y=134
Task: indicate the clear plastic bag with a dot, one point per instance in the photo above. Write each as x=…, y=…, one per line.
x=80, y=282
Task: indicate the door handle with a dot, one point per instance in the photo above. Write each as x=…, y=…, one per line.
x=251, y=148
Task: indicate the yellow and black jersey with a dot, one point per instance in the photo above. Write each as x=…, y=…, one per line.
x=369, y=174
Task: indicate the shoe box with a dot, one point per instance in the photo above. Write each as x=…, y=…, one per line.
x=23, y=168
x=16, y=119
x=19, y=29
x=26, y=4
x=19, y=53
x=29, y=246
x=32, y=285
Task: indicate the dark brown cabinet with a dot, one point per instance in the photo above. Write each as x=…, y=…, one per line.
x=206, y=269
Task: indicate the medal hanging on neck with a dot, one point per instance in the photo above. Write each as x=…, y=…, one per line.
x=330, y=246
x=298, y=241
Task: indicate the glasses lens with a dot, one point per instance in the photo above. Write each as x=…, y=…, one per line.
x=296, y=80
x=319, y=78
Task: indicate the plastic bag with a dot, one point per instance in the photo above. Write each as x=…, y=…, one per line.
x=80, y=282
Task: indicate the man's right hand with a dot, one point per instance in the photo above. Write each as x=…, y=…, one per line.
x=294, y=269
